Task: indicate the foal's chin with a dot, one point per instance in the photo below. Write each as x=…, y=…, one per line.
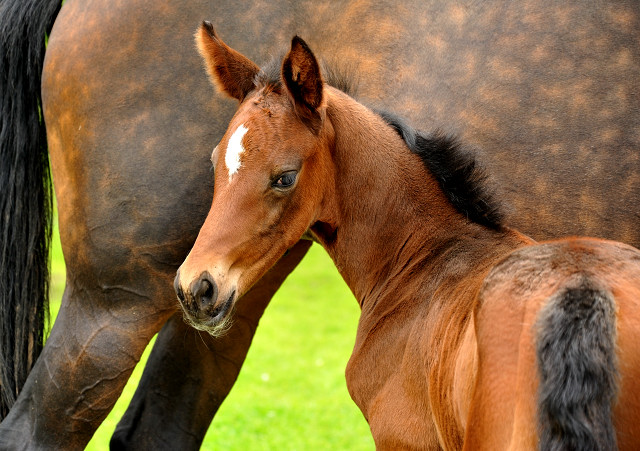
x=216, y=321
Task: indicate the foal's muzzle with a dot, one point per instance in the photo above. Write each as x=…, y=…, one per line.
x=199, y=301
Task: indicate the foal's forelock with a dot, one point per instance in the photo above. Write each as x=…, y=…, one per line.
x=336, y=74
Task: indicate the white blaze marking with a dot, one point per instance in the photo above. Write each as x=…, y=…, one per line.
x=234, y=150
x=214, y=157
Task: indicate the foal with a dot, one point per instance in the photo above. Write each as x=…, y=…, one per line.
x=471, y=335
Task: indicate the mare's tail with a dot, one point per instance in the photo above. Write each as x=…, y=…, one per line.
x=25, y=191
x=576, y=337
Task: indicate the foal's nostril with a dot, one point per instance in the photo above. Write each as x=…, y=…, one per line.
x=205, y=291
x=208, y=294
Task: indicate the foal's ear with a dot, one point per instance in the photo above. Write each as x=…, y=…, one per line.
x=230, y=71
x=301, y=76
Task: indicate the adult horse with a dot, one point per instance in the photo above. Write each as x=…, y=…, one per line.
x=548, y=89
x=471, y=335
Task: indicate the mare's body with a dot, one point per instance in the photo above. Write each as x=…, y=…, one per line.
x=472, y=336
x=548, y=89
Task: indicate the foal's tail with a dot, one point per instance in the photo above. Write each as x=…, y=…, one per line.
x=576, y=336
x=25, y=191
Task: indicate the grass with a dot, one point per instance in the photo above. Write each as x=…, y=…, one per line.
x=291, y=393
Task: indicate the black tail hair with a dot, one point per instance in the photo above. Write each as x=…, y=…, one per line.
x=25, y=192
x=575, y=348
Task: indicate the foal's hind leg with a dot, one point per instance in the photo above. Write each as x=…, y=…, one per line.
x=189, y=373
x=95, y=343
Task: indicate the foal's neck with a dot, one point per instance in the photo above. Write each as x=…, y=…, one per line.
x=391, y=212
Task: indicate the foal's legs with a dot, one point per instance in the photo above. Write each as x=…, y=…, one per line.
x=189, y=373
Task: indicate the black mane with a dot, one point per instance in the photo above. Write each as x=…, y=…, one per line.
x=457, y=171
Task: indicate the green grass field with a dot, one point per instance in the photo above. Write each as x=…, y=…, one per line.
x=291, y=393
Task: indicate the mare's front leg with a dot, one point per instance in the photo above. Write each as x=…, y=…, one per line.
x=97, y=339
x=189, y=373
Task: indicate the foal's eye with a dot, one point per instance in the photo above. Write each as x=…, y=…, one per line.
x=285, y=180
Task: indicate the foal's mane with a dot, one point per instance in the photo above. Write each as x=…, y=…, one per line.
x=456, y=168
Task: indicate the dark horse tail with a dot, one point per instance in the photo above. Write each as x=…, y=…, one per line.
x=576, y=339
x=25, y=191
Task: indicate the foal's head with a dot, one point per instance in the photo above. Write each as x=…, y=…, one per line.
x=273, y=174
